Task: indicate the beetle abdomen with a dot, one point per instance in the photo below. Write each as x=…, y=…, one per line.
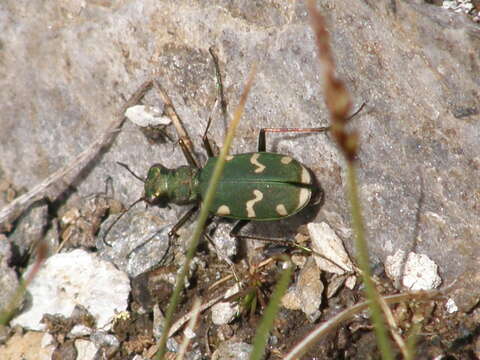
x=259, y=186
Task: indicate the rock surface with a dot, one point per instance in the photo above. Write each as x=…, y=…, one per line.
x=8, y=278
x=66, y=67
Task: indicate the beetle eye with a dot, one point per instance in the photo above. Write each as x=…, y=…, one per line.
x=160, y=201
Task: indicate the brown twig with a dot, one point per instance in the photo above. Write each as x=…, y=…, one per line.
x=13, y=210
x=328, y=326
x=172, y=114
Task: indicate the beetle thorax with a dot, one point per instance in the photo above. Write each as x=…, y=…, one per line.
x=178, y=186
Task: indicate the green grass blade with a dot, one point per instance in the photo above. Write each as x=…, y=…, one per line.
x=266, y=324
x=364, y=264
x=202, y=218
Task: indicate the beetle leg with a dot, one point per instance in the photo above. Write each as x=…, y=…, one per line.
x=235, y=232
x=222, y=256
x=104, y=239
x=220, y=99
x=218, y=75
x=261, y=136
x=206, y=141
x=262, y=146
x=138, y=248
x=237, y=227
x=188, y=155
x=170, y=111
x=182, y=221
x=125, y=166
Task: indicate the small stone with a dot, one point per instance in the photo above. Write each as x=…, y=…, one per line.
x=145, y=116
x=225, y=312
x=291, y=301
x=47, y=340
x=8, y=277
x=326, y=243
x=351, y=281
x=231, y=350
x=139, y=241
x=30, y=345
x=393, y=264
x=334, y=284
x=451, y=306
x=79, y=330
x=225, y=245
x=75, y=278
x=306, y=295
x=86, y=349
x=30, y=228
x=104, y=339
x=419, y=271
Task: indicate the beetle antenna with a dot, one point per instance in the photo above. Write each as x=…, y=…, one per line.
x=117, y=219
x=357, y=111
x=130, y=171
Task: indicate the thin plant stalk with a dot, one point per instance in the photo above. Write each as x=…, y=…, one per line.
x=202, y=218
x=328, y=326
x=266, y=324
x=411, y=341
x=337, y=99
x=7, y=313
x=197, y=303
x=364, y=264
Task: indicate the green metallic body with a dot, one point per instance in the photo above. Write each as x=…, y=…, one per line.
x=257, y=186
x=178, y=186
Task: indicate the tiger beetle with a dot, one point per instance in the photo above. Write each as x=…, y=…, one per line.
x=256, y=186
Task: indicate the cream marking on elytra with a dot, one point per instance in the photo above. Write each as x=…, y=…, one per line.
x=306, y=177
x=258, y=197
x=254, y=161
x=223, y=210
x=303, y=197
x=228, y=157
x=281, y=210
x=286, y=160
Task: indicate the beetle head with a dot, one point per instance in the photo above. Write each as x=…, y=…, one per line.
x=156, y=186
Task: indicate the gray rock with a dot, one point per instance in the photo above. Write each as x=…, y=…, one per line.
x=136, y=243
x=232, y=350
x=103, y=339
x=85, y=349
x=75, y=278
x=30, y=229
x=8, y=277
x=306, y=294
x=67, y=68
x=225, y=312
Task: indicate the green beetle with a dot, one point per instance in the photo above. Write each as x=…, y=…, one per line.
x=258, y=186
x=254, y=186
